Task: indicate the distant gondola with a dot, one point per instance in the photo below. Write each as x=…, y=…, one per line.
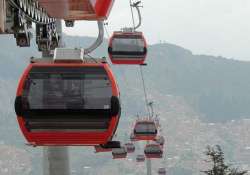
x=67, y=104
x=145, y=130
x=119, y=153
x=130, y=147
x=127, y=48
x=140, y=158
x=162, y=171
x=153, y=151
x=100, y=149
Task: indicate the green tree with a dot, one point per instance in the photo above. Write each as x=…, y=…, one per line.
x=216, y=158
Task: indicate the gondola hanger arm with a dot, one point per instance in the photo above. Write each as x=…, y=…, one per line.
x=98, y=40
x=137, y=6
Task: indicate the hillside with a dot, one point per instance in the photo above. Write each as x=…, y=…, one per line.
x=201, y=100
x=216, y=87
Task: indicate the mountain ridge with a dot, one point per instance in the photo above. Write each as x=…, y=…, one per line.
x=216, y=87
x=194, y=95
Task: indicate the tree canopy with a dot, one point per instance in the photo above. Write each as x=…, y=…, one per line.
x=219, y=167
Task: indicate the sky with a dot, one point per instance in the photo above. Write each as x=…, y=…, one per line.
x=213, y=27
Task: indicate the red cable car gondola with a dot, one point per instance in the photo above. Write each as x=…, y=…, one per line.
x=153, y=151
x=127, y=48
x=67, y=104
x=119, y=153
x=145, y=130
x=77, y=9
x=130, y=147
x=140, y=158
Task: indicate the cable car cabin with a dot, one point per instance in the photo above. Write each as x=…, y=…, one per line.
x=160, y=140
x=100, y=149
x=140, y=158
x=67, y=104
x=127, y=48
x=145, y=130
x=130, y=147
x=153, y=151
x=162, y=171
x=77, y=9
x=119, y=153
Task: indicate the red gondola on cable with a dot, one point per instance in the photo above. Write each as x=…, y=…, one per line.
x=119, y=153
x=145, y=130
x=130, y=147
x=140, y=158
x=127, y=48
x=67, y=104
x=153, y=151
x=77, y=9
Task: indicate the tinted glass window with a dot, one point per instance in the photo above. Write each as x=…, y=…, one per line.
x=145, y=128
x=67, y=88
x=153, y=148
x=128, y=45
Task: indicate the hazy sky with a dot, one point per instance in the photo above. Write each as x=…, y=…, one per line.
x=215, y=27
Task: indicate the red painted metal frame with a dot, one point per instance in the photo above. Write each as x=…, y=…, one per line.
x=130, y=147
x=99, y=149
x=144, y=138
x=78, y=9
x=68, y=138
x=129, y=61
